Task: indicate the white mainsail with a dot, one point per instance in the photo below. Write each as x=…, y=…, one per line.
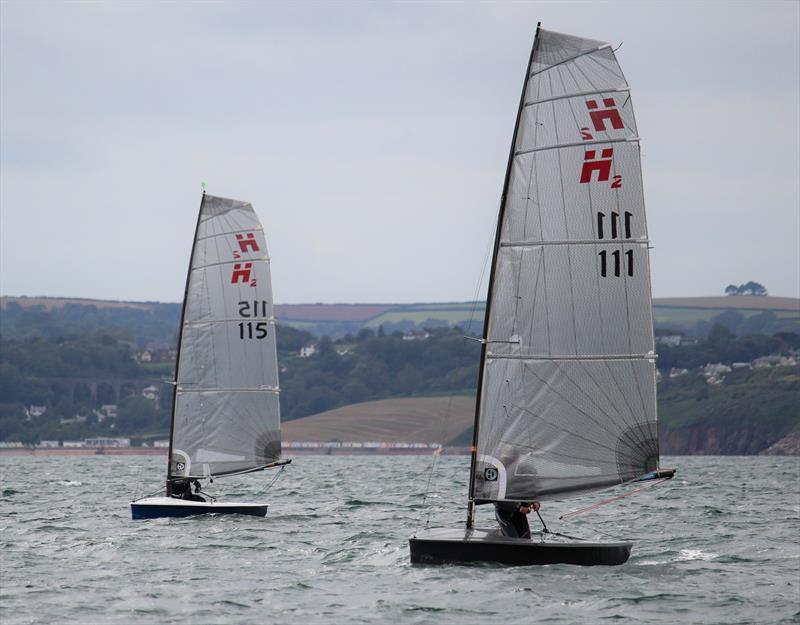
x=567, y=395
x=226, y=417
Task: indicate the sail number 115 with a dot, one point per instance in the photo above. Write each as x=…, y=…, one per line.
x=253, y=329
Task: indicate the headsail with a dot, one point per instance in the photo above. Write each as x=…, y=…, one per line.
x=567, y=395
x=226, y=417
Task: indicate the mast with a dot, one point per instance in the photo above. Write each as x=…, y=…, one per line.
x=180, y=338
x=474, y=456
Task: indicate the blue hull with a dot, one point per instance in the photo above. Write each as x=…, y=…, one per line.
x=152, y=510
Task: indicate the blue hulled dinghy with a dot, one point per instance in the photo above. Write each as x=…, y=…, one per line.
x=226, y=412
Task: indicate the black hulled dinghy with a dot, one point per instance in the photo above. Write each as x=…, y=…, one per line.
x=566, y=400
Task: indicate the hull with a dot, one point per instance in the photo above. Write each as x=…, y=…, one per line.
x=440, y=546
x=156, y=507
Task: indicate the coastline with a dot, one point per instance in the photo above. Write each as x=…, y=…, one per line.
x=155, y=451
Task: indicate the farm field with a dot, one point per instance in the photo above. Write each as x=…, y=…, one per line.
x=403, y=420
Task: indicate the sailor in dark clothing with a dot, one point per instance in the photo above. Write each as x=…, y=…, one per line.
x=182, y=489
x=512, y=517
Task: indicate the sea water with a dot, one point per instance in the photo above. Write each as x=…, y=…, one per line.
x=717, y=544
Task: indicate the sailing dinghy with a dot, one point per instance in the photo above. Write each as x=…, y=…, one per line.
x=566, y=399
x=226, y=413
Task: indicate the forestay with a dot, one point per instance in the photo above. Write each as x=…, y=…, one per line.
x=567, y=398
x=226, y=417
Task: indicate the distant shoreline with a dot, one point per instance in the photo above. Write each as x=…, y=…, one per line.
x=154, y=451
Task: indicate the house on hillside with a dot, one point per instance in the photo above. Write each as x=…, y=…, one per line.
x=106, y=411
x=151, y=392
x=308, y=350
x=416, y=335
x=773, y=361
x=35, y=411
x=715, y=372
x=144, y=356
x=676, y=340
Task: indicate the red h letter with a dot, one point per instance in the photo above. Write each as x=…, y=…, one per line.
x=601, y=166
x=249, y=242
x=239, y=274
x=610, y=113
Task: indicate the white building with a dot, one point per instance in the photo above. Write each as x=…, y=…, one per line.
x=107, y=442
x=150, y=392
x=308, y=350
x=35, y=411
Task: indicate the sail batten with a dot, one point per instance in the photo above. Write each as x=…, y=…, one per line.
x=571, y=371
x=579, y=94
x=567, y=242
x=226, y=415
x=573, y=58
x=575, y=144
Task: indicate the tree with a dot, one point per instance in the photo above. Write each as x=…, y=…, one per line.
x=748, y=288
x=720, y=337
x=753, y=288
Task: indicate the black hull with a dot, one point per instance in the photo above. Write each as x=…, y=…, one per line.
x=469, y=547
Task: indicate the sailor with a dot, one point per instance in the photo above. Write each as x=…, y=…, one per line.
x=182, y=489
x=513, y=519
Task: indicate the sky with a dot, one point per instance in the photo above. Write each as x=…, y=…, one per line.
x=372, y=140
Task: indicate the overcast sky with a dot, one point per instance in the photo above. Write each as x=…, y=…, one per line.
x=372, y=140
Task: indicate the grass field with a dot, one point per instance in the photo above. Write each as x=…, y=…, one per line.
x=405, y=420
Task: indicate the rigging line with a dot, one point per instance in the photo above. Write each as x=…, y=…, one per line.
x=155, y=492
x=594, y=529
x=489, y=247
x=575, y=513
x=271, y=482
x=436, y=454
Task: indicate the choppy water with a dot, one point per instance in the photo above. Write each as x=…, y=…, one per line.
x=716, y=545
